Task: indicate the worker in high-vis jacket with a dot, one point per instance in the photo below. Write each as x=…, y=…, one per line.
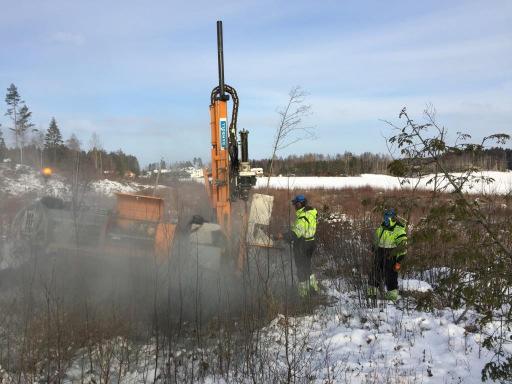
x=390, y=247
x=302, y=235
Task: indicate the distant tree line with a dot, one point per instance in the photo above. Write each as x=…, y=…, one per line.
x=492, y=159
x=196, y=162
x=314, y=164
x=349, y=164
x=39, y=147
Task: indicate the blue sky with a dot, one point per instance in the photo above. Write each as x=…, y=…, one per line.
x=140, y=73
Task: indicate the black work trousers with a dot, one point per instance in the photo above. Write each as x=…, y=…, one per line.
x=383, y=271
x=302, y=254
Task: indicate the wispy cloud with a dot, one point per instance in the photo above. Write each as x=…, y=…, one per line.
x=141, y=75
x=67, y=38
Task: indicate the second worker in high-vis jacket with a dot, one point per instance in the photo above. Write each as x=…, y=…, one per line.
x=302, y=235
x=390, y=246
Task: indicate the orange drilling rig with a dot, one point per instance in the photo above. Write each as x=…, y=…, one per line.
x=231, y=177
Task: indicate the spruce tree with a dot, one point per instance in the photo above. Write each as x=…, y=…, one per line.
x=53, y=139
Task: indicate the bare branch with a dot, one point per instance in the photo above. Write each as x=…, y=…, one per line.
x=291, y=128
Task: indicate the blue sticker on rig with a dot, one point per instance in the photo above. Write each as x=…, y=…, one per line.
x=223, y=125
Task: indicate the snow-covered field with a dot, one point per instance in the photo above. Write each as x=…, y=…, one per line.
x=502, y=182
x=25, y=180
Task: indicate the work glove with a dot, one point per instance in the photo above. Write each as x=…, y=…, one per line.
x=288, y=236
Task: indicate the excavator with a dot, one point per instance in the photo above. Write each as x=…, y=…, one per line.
x=233, y=241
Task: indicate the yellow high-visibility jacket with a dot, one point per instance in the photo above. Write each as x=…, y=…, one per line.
x=392, y=238
x=305, y=223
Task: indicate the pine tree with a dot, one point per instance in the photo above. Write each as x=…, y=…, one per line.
x=15, y=108
x=53, y=139
x=24, y=124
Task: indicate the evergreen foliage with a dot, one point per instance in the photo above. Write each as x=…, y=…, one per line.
x=13, y=100
x=20, y=115
x=121, y=164
x=24, y=123
x=53, y=139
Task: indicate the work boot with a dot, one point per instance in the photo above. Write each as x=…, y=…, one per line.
x=313, y=283
x=372, y=292
x=392, y=295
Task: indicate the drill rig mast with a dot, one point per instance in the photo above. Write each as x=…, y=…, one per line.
x=231, y=177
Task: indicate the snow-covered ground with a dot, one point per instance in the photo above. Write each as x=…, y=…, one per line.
x=502, y=182
x=345, y=342
x=23, y=180
x=109, y=187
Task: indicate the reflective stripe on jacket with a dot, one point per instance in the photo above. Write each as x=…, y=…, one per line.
x=392, y=237
x=305, y=223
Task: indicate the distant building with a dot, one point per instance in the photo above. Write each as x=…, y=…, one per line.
x=196, y=173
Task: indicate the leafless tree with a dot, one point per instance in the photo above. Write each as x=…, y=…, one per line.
x=73, y=143
x=95, y=147
x=38, y=142
x=291, y=128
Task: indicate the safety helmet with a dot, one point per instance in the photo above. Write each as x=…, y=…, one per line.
x=389, y=214
x=299, y=199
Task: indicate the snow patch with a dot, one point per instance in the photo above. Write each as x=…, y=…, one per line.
x=413, y=285
x=502, y=182
x=23, y=180
x=110, y=187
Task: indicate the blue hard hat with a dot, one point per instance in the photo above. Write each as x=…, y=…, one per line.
x=390, y=212
x=299, y=199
